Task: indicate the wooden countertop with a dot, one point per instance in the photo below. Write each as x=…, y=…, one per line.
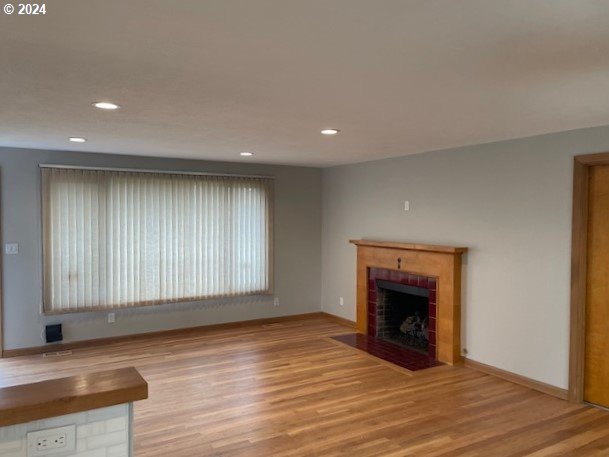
x=57, y=397
x=411, y=246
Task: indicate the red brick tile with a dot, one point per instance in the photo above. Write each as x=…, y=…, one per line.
x=383, y=275
x=372, y=273
x=422, y=281
x=411, y=360
x=394, y=276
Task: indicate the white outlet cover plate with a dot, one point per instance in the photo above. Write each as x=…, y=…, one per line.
x=50, y=434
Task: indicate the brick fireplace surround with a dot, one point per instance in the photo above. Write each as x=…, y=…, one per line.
x=437, y=268
x=400, y=277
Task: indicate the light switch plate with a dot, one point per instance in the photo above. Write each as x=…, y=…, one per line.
x=11, y=248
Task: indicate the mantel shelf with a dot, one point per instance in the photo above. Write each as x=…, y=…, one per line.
x=410, y=246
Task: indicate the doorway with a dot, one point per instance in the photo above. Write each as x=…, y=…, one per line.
x=589, y=363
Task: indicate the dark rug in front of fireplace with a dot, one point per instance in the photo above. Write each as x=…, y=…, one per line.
x=399, y=355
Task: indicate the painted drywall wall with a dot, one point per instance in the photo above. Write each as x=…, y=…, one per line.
x=509, y=202
x=296, y=251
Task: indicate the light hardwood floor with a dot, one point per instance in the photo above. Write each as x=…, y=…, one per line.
x=286, y=389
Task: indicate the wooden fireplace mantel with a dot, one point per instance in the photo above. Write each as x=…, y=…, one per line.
x=441, y=262
x=410, y=246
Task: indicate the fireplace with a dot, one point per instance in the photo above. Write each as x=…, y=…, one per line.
x=383, y=267
x=402, y=309
x=401, y=319
x=402, y=315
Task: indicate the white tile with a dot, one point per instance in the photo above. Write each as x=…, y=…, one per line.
x=20, y=453
x=95, y=453
x=122, y=450
x=106, y=440
x=117, y=424
x=11, y=446
x=92, y=429
x=81, y=444
x=111, y=412
x=59, y=421
x=102, y=432
x=13, y=432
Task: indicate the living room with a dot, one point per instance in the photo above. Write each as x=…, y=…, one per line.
x=209, y=207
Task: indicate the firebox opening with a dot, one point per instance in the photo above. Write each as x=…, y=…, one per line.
x=403, y=315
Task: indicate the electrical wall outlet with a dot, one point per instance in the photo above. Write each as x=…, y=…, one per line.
x=406, y=205
x=276, y=301
x=111, y=318
x=341, y=301
x=51, y=441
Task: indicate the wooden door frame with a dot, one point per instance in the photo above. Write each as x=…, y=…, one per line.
x=579, y=260
x=1, y=276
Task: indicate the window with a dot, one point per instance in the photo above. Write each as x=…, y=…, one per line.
x=123, y=238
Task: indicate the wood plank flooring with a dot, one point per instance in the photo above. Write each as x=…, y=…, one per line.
x=287, y=389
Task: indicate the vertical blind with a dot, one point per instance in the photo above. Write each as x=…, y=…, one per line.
x=122, y=238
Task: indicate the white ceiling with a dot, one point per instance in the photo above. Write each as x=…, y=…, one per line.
x=211, y=78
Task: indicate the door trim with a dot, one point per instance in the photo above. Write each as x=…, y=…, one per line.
x=579, y=259
x=1, y=275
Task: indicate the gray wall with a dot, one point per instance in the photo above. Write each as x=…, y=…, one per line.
x=297, y=251
x=509, y=202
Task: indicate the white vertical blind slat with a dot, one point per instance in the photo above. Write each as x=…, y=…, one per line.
x=122, y=238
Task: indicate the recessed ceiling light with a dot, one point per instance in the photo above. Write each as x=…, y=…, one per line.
x=329, y=131
x=106, y=105
x=77, y=139
x=246, y=154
